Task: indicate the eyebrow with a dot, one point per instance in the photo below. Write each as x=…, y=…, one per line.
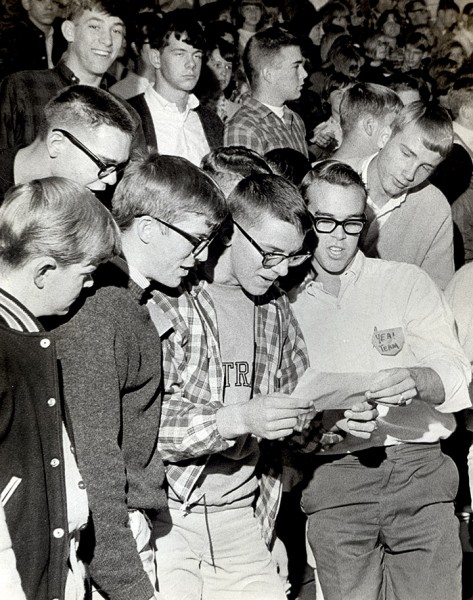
x=332, y=216
x=102, y=20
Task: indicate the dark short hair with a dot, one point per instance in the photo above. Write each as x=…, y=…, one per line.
x=84, y=106
x=183, y=24
x=333, y=172
x=263, y=49
x=256, y=196
x=289, y=163
x=229, y=165
x=166, y=187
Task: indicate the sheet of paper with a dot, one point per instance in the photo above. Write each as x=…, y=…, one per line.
x=331, y=391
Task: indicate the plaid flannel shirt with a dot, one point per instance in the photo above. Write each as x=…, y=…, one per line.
x=257, y=127
x=194, y=385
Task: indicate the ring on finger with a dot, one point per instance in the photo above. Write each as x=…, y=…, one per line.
x=402, y=400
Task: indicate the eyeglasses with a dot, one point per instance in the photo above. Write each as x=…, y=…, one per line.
x=351, y=226
x=105, y=169
x=271, y=259
x=199, y=244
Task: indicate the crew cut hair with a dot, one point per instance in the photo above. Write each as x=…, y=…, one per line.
x=332, y=172
x=257, y=196
x=55, y=217
x=363, y=99
x=433, y=121
x=263, y=48
x=167, y=187
x=84, y=106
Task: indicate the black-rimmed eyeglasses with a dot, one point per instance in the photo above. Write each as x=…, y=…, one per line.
x=199, y=244
x=272, y=259
x=105, y=169
x=351, y=226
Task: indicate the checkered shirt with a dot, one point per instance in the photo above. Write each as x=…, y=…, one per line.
x=194, y=385
x=257, y=127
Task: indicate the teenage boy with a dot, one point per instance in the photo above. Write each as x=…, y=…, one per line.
x=110, y=354
x=372, y=504
x=274, y=66
x=36, y=40
x=402, y=205
x=53, y=234
x=85, y=136
x=233, y=357
x=173, y=121
x=94, y=30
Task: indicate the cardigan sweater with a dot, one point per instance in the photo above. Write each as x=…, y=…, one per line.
x=110, y=355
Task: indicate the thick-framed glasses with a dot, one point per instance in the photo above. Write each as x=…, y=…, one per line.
x=351, y=226
x=105, y=169
x=199, y=244
x=272, y=259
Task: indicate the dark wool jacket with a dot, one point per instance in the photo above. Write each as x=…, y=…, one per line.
x=211, y=124
x=110, y=354
x=30, y=438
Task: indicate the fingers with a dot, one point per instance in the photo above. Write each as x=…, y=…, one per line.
x=362, y=416
x=395, y=387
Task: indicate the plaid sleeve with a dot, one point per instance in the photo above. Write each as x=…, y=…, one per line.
x=242, y=131
x=188, y=426
x=294, y=356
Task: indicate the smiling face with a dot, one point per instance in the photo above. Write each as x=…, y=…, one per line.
x=245, y=262
x=108, y=143
x=405, y=162
x=288, y=75
x=95, y=40
x=336, y=250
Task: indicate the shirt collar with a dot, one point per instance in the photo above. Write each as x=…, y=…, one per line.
x=16, y=315
x=135, y=275
x=192, y=101
x=70, y=78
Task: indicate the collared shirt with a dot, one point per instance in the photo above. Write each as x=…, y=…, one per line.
x=415, y=228
x=387, y=315
x=23, y=96
x=257, y=127
x=178, y=133
x=194, y=388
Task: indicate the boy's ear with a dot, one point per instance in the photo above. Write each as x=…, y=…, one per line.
x=154, y=58
x=384, y=136
x=42, y=269
x=68, y=30
x=54, y=143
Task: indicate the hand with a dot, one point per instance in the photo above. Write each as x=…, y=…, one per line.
x=393, y=387
x=361, y=419
x=281, y=562
x=323, y=136
x=274, y=416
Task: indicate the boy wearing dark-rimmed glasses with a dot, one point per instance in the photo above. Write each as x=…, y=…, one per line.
x=371, y=503
x=168, y=212
x=234, y=355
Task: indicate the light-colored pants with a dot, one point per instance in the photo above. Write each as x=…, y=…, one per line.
x=141, y=530
x=241, y=568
